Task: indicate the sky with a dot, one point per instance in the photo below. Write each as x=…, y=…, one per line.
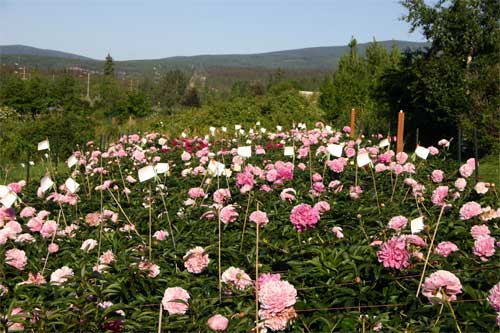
x=150, y=29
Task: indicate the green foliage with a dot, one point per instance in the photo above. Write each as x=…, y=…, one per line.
x=455, y=82
x=353, y=85
x=109, y=66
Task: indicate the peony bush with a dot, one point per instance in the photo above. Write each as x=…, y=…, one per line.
x=159, y=232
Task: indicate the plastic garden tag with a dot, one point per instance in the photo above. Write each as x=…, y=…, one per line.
x=72, y=160
x=71, y=185
x=384, y=143
x=245, y=151
x=216, y=168
x=162, y=168
x=422, y=152
x=4, y=190
x=417, y=225
x=363, y=159
x=43, y=145
x=146, y=173
x=289, y=151
x=46, y=183
x=8, y=199
x=334, y=150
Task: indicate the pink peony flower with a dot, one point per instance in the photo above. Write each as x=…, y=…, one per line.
x=460, y=184
x=494, y=297
x=393, y=253
x=397, y=223
x=160, y=235
x=445, y=249
x=16, y=258
x=61, y=275
x=236, y=277
x=53, y=248
x=218, y=323
x=196, y=192
x=441, y=286
x=228, y=214
x=93, y=219
x=322, y=207
x=196, y=260
x=338, y=232
x=469, y=210
x=401, y=157
x=439, y=195
x=478, y=231
x=28, y=212
x=304, y=217
x=19, y=314
x=354, y=192
x=49, y=228
x=484, y=247
x=337, y=165
x=433, y=150
x=88, y=245
x=267, y=277
x=275, y=296
x=437, y=176
x=277, y=321
x=36, y=279
x=175, y=300
x=466, y=170
x=481, y=187
x=107, y=258
x=288, y=194
x=222, y=195
x=259, y=217
x=444, y=143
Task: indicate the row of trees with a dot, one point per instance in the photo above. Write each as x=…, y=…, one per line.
x=453, y=83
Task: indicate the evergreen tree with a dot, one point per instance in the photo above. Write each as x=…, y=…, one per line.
x=109, y=66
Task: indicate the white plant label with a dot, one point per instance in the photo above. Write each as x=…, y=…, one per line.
x=279, y=128
x=46, y=183
x=224, y=129
x=245, y=151
x=216, y=168
x=71, y=185
x=237, y=127
x=289, y=151
x=335, y=150
x=146, y=173
x=4, y=190
x=417, y=225
x=43, y=145
x=363, y=159
x=9, y=199
x=384, y=143
x=162, y=168
x=72, y=160
x=422, y=152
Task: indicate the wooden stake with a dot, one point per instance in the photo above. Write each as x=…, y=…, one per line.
x=401, y=127
x=353, y=122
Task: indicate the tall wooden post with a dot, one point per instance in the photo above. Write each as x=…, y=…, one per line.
x=401, y=128
x=353, y=122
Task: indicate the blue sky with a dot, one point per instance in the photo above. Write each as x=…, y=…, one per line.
x=150, y=29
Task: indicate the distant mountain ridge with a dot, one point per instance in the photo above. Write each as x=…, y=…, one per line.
x=34, y=51
x=324, y=58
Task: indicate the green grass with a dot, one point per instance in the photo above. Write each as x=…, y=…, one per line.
x=16, y=172
x=489, y=168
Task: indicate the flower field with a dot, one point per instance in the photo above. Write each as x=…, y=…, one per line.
x=305, y=230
